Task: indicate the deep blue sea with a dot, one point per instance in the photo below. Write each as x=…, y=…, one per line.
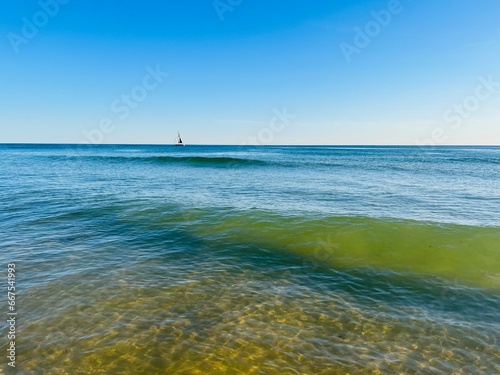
x=251, y=260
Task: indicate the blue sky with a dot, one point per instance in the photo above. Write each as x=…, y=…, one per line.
x=342, y=72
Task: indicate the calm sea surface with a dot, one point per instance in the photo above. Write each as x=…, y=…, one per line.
x=251, y=260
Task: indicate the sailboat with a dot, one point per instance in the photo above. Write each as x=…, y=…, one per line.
x=178, y=140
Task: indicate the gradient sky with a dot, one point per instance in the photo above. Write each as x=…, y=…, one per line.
x=418, y=77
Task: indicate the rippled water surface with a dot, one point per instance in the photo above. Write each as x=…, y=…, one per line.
x=252, y=260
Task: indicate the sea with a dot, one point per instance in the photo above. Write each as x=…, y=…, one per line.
x=133, y=259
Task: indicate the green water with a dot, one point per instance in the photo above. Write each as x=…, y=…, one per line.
x=468, y=255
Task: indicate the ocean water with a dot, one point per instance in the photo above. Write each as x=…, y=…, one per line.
x=251, y=260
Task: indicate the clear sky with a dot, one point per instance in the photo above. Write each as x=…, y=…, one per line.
x=250, y=71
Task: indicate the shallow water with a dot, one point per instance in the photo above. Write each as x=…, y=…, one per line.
x=264, y=260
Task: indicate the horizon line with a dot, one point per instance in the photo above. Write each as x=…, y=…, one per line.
x=249, y=145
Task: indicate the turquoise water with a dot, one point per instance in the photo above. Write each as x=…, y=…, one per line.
x=252, y=260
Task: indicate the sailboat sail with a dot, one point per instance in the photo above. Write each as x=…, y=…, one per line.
x=178, y=140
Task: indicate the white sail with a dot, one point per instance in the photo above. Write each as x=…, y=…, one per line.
x=178, y=140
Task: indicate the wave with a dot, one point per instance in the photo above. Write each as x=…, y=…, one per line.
x=473, y=160
x=469, y=255
x=465, y=254
x=207, y=161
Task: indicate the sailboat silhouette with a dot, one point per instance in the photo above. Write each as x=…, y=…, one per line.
x=178, y=140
